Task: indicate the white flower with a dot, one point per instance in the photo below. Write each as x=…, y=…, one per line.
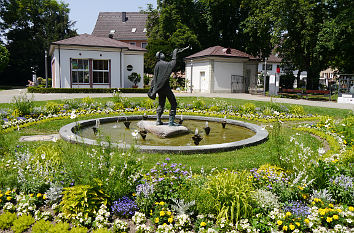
x=135, y=134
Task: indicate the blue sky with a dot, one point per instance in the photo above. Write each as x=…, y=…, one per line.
x=85, y=12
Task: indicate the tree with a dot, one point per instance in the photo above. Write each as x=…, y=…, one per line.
x=293, y=28
x=29, y=26
x=4, y=57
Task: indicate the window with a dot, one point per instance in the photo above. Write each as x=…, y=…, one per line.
x=100, y=71
x=132, y=43
x=144, y=30
x=80, y=71
x=269, y=67
x=133, y=29
x=143, y=45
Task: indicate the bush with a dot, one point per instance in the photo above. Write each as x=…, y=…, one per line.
x=287, y=81
x=248, y=108
x=6, y=220
x=23, y=104
x=232, y=194
x=52, y=108
x=82, y=200
x=297, y=110
x=79, y=230
x=22, y=223
x=134, y=78
x=61, y=227
x=86, y=90
x=41, y=226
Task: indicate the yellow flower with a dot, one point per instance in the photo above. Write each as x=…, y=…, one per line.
x=313, y=203
x=203, y=224
x=134, y=194
x=170, y=220
x=164, y=224
x=162, y=203
x=292, y=227
x=31, y=195
x=329, y=219
x=287, y=214
x=301, y=188
x=157, y=220
x=335, y=217
x=351, y=208
x=297, y=224
x=162, y=213
x=39, y=195
x=307, y=221
x=9, y=198
x=157, y=203
x=304, y=196
x=285, y=228
x=331, y=205
x=8, y=192
x=169, y=213
x=1, y=195
x=44, y=196
x=279, y=222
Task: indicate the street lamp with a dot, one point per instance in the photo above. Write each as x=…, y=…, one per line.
x=265, y=76
x=45, y=68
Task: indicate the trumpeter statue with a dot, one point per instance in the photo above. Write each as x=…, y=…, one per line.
x=160, y=84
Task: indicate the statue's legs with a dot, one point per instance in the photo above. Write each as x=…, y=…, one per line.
x=160, y=109
x=172, y=99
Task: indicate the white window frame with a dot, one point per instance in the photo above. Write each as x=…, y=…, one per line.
x=101, y=71
x=80, y=70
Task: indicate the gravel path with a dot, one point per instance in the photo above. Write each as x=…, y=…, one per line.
x=7, y=95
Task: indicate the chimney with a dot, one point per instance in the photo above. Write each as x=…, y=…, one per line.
x=124, y=17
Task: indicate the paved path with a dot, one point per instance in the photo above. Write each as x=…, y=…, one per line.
x=7, y=95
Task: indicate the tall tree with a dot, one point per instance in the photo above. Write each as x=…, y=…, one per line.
x=294, y=27
x=29, y=26
x=4, y=57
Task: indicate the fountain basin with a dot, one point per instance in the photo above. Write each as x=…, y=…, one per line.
x=69, y=133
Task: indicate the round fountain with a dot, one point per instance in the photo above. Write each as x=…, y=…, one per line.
x=199, y=134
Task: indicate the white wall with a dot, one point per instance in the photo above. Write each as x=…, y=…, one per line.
x=253, y=75
x=222, y=75
x=137, y=61
x=198, y=67
x=64, y=69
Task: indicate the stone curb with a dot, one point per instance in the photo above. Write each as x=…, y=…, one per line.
x=67, y=133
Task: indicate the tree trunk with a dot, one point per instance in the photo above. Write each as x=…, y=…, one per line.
x=298, y=78
x=313, y=79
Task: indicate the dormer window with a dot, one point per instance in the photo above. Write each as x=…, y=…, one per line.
x=133, y=29
x=144, y=30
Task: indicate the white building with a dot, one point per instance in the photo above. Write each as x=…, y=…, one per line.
x=87, y=61
x=217, y=69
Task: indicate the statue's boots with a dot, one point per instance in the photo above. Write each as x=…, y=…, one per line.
x=171, y=121
x=158, y=120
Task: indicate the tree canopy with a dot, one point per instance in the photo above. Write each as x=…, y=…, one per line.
x=4, y=57
x=29, y=26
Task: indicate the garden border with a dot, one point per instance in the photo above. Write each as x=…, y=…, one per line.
x=67, y=133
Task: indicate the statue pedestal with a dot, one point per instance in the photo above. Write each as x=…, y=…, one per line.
x=162, y=131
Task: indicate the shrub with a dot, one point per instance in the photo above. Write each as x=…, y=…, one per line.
x=120, y=226
x=297, y=110
x=134, y=78
x=41, y=226
x=82, y=201
x=199, y=104
x=101, y=230
x=61, y=227
x=79, y=230
x=6, y=220
x=248, y=108
x=52, y=108
x=22, y=223
x=232, y=193
x=23, y=104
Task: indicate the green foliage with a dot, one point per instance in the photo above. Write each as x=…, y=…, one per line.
x=82, y=200
x=86, y=90
x=346, y=129
x=297, y=110
x=101, y=230
x=88, y=101
x=287, y=81
x=22, y=223
x=134, y=78
x=248, y=108
x=52, y=108
x=6, y=220
x=232, y=194
x=78, y=230
x=146, y=79
x=4, y=57
x=48, y=152
x=199, y=104
x=61, y=227
x=23, y=104
x=148, y=103
x=41, y=226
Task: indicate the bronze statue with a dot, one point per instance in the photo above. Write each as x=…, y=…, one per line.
x=160, y=85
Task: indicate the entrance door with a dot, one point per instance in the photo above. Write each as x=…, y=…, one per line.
x=237, y=84
x=203, y=83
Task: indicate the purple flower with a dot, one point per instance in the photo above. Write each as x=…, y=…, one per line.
x=124, y=207
x=168, y=159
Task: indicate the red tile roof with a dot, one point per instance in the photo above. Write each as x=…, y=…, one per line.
x=94, y=41
x=274, y=58
x=220, y=51
x=108, y=21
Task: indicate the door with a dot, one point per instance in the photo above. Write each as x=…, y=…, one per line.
x=237, y=84
x=203, y=82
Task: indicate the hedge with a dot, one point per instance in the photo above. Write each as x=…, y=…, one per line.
x=86, y=90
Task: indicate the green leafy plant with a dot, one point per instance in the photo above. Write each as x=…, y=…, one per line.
x=134, y=78
x=22, y=223
x=248, y=108
x=41, y=226
x=52, y=108
x=78, y=230
x=101, y=230
x=82, y=200
x=297, y=110
x=6, y=220
x=232, y=193
x=61, y=227
x=23, y=104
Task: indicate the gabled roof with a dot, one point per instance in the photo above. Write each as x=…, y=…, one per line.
x=274, y=58
x=108, y=21
x=94, y=41
x=220, y=51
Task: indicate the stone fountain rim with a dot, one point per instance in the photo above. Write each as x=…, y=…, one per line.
x=261, y=135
